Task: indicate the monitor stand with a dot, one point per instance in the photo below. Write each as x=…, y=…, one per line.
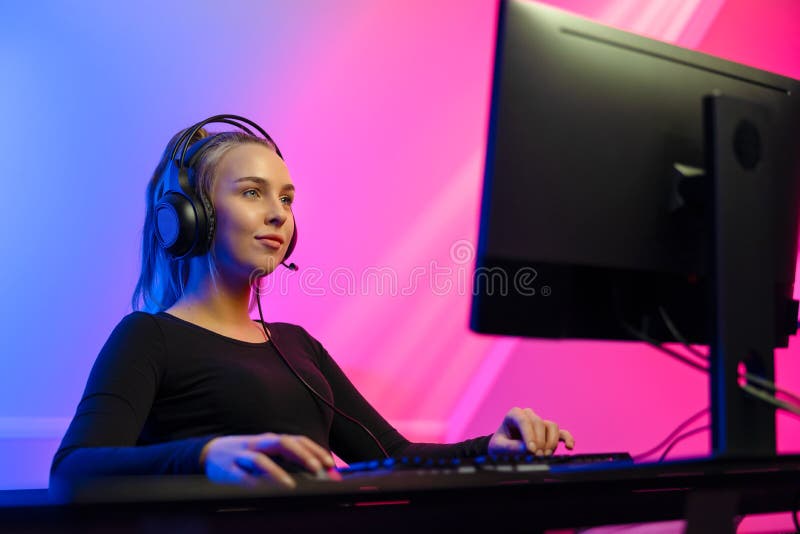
x=740, y=167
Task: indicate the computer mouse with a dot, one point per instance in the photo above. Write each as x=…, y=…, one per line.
x=330, y=474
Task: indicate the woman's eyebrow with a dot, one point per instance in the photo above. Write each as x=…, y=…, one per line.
x=262, y=181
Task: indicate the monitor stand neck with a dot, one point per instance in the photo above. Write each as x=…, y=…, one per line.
x=739, y=164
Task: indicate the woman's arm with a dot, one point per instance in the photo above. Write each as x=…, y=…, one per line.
x=102, y=437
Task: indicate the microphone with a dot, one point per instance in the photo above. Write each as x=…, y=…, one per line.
x=291, y=266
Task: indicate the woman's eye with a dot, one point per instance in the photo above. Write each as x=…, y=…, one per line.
x=251, y=193
x=287, y=200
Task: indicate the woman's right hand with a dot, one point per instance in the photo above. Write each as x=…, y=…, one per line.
x=249, y=459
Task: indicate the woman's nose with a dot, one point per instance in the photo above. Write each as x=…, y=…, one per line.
x=276, y=214
x=277, y=220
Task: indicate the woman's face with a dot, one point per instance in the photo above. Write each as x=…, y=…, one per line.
x=252, y=196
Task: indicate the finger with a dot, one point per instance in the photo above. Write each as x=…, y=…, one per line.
x=241, y=471
x=551, y=442
x=566, y=437
x=539, y=431
x=294, y=449
x=263, y=467
x=320, y=452
x=299, y=449
x=264, y=442
x=517, y=422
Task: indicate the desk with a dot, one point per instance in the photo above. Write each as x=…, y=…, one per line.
x=706, y=492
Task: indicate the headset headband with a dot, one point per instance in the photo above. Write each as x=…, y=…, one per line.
x=233, y=120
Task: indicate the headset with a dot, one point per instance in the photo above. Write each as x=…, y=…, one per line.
x=184, y=220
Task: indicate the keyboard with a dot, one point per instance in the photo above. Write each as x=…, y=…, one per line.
x=492, y=463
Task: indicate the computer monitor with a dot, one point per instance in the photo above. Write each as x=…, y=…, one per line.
x=628, y=180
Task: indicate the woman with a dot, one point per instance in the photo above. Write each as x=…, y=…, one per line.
x=192, y=384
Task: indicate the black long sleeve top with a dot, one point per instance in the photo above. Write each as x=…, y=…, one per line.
x=162, y=387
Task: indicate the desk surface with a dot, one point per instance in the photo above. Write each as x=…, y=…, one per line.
x=400, y=501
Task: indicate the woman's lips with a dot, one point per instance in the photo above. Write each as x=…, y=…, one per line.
x=270, y=242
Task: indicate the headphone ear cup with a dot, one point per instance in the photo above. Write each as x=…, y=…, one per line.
x=184, y=224
x=176, y=224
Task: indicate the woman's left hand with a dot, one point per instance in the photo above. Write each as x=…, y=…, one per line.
x=523, y=430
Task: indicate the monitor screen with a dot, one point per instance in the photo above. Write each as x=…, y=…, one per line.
x=592, y=131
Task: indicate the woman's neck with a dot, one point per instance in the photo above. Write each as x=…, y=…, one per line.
x=223, y=300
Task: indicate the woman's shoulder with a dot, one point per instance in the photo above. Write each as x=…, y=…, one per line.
x=136, y=327
x=286, y=330
x=136, y=337
x=137, y=321
x=293, y=334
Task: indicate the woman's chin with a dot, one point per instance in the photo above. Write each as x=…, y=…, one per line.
x=264, y=268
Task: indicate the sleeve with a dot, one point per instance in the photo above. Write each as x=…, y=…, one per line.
x=101, y=439
x=353, y=444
